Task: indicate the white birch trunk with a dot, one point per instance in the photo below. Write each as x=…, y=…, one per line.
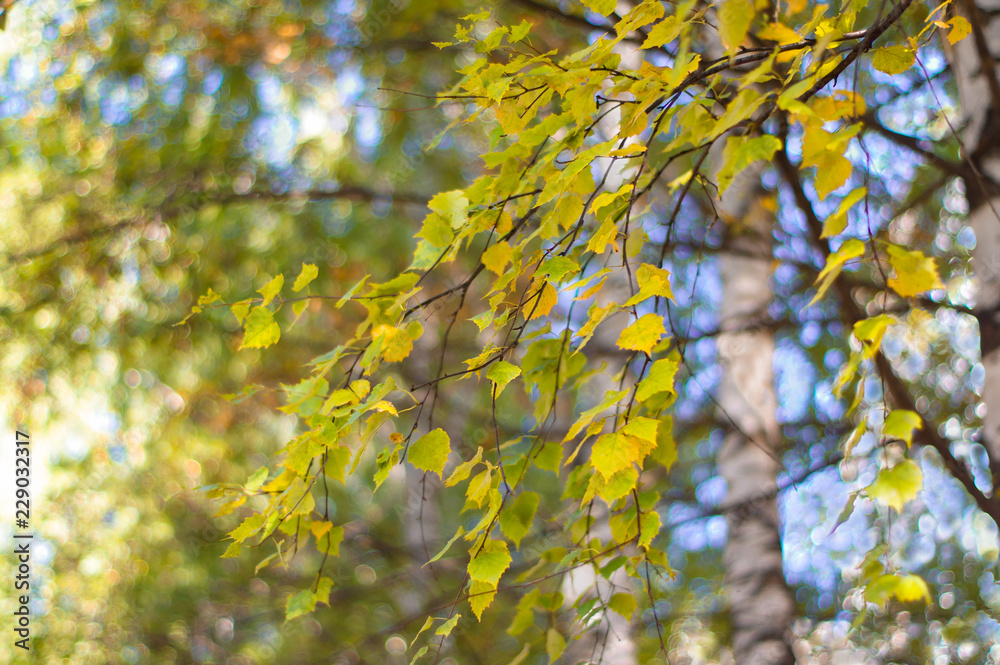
x=979, y=92
x=760, y=601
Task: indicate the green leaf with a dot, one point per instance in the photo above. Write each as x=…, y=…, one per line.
x=501, y=373
x=519, y=31
x=240, y=310
x=845, y=512
x=555, y=644
x=624, y=604
x=490, y=562
x=558, y=267
x=915, y=272
x=463, y=470
x=301, y=603
x=650, y=522
x=308, y=274
x=255, y=481
x=740, y=152
x=329, y=543
x=445, y=629
x=659, y=380
x=901, y=424
x=893, y=60
x=261, y=330
x=643, y=334
x=665, y=452
x=897, y=485
x=271, y=289
x=250, y=526
x=516, y=518
x=613, y=488
x=437, y=232
x=430, y=452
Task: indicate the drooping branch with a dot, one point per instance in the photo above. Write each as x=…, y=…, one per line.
x=896, y=387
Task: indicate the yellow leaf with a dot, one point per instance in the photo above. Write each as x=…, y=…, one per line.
x=497, y=256
x=480, y=596
x=396, y=344
x=893, y=60
x=851, y=249
x=832, y=171
x=603, y=236
x=271, y=289
x=652, y=282
x=546, y=300
x=643, y=334
x=897, y=485
x=915, y=273
x=613, y=453
x=779, y=32
x=735, y=17
x=837, y=222
x=261, y=330
x=911, y=588
x=430, y=452
x=320, y=528
x=308, y=274
x=602, y=7
x=960, y=29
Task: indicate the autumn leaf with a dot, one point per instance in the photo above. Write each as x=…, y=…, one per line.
x=893, y=60
x=915, y=272
x=261, y=330
x=308, y=274
x=430, y=452
x=643, y=334
x=900, y=424
x=502, y=373
x=897, y=485
x=271, y=289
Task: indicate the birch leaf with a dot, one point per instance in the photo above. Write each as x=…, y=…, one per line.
x=901, y=424
x=261, y=330
x=897, y=485
x=271, y=289
x=893, y=60
x=308, y=274
x=643, y=334
x=430, y=452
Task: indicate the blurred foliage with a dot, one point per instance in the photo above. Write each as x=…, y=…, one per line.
x=151, y=151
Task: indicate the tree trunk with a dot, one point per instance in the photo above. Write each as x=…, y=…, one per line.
x=760, y=602
x=975, y=63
